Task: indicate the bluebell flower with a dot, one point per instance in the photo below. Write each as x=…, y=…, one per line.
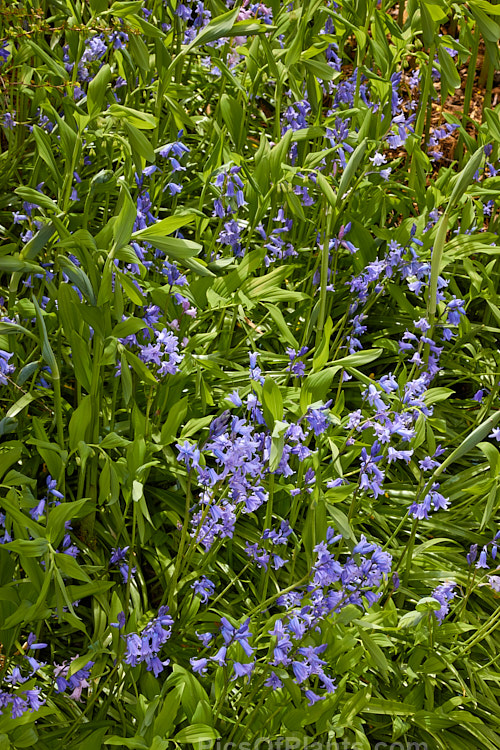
x=494, y=582
x=38, y=511
x=118, y=554
x=76, y=682
x=4, y=53
x=318, y=419
x=273, y=681
x=235, y=399
x=5, y=368
x=188, y=453
x=444, y=594
x=126, y=572
x=313, y=697
x=204, y=588
x=121, y=620
x=183, y=12
x=146, y=647
x=242, y=670
x=15, y=677
x=205, y=638
x=199, y=665
x=483, y=558
x=52, y=488
x=9, y=120
x=230, y=236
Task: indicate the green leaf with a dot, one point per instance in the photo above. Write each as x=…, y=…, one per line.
x=410, y=619
x=272, y=402
x=139, y=142
x=234, y=117
x=359, y=358
x=196, y=733
x=69, y=566
x=130, y=289
x=78, y=277
x=277, y=444
x=450, y=79
x=490, y=30
x=129, y=326
x=80, y=422
x=81, y=360
x=282, y=325
x=427, y=604
x=44, y=148
x=141, y=120
x=316, y=385
x=38, y=242
x=28, y=548
x=215, y=29
x=8, y=458
x=122, y=229
x=126, y=379
x=135, y=743
x=165, y=226
x=51, y=64
x=464, y=178
x=62, y=513
x=47, y=352
x=125, y=8
x=97, y=90
x=175, y=247
x=321, y=69
x=278, y=155
x=112, y=440
x=140, y=368
x=14, y=263
x=321, y=355
x=175, y=417
x=350, y=170
x=19, y=405
x=139, y=52
x=493, y=119
x=36, y=197
x=326, y=189
x=467, y=444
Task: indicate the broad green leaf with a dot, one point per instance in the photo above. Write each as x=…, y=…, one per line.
x=97, y=90
x=47, y=351
x=215, y=29
x=49, y=60
x=196, y=733
x=350, y=170
x=141, y=120
x=139, y=142
x=140, y=368
x=164, y=227
x=122, y=229
x=36, y=197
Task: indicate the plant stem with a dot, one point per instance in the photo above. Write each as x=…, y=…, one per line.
x=182, y=544
x=325, y=260
x=469, y=84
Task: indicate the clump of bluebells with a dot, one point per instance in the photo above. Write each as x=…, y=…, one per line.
x=333, y=584
x=444, y=594
x=144, y=647
x=488, y=553
x=27, y=669
x=234, y=465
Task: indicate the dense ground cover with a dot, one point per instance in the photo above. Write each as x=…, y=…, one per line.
x=249, y=374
